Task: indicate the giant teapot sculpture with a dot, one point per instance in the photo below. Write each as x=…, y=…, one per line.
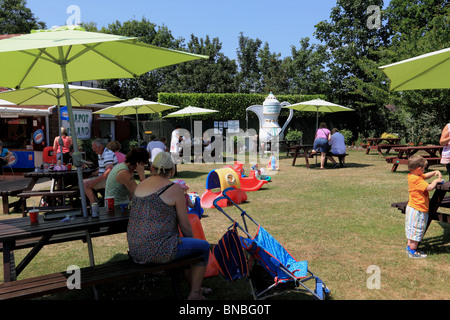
x=268, y=113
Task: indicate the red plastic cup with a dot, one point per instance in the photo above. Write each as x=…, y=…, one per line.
x=34, y=214
x=109, y=204
x=69, y=166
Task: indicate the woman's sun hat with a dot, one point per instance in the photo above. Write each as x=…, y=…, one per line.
x=163, y=162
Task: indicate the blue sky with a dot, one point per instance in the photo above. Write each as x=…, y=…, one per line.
x=281, y=23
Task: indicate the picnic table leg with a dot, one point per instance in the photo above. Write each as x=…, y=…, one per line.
x=9, y=268
x=380, y=152
x=295, y=158
x=91, y=258
x=435, y=202
x=27, y=259
x=394, y=167
x=306, y=155
x=5, y=204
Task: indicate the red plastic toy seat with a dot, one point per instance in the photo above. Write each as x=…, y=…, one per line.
x=49, y=156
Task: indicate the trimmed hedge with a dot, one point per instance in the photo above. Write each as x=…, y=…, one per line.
x=230, y=105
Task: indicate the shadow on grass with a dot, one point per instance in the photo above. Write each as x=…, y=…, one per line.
x=158, y=286
x=438, y=244
x=184, y=174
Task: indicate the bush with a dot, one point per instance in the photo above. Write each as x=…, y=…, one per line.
x=293, y=135
x=348, y=135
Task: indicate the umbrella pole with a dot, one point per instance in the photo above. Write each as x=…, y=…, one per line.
x=79, y=169
x=59, y=128
x=74, y=135
x=137, y=127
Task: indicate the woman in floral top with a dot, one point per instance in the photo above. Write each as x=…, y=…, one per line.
x=157, y=210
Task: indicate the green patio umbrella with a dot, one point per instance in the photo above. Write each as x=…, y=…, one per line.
x=70, y=53
x=189, y=112
x=54, y=94
x=136, y=106
x=428, y=71
x=318, y=105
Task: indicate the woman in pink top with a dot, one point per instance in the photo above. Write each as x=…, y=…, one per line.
x=115, y=146
x=66, y=142
x=323, y=135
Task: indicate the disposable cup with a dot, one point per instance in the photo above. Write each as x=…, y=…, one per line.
x=34, y=215
x=109, y=204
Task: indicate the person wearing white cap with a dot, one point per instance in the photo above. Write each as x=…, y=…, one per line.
x=157, y=210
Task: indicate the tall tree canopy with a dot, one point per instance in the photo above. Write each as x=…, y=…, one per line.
x=16, y=18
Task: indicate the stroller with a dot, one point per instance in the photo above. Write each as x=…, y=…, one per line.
x=275, y=271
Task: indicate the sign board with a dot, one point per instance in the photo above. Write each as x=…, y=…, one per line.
x=233, y=126
x=83, y=123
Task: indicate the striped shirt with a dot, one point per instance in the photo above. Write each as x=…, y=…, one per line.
x=106, y=158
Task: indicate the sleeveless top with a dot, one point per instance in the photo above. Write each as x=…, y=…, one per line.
x=114, y=188
x=152, y=229
x=446, y=151
x=67, y=141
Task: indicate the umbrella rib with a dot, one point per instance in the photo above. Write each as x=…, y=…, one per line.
x=36, y=58
x=114, y=62
x=31, y=97
x=421, y=74
x=82, y=52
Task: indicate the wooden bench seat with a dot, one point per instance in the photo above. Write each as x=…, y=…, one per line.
x=442, y=217
x=5, y=199
x=341, y=157
x=91, y=276
x=52, y=197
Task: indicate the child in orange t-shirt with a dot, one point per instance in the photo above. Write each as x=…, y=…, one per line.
x=416, y=213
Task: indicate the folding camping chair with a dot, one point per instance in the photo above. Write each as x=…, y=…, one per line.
x=285, y=271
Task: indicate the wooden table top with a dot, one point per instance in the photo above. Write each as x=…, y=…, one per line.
x=22, y=228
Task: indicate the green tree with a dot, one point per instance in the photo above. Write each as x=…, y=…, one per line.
x=147, y=85
x=215, y=74
x=348, y=37
x=16, y=18
x=418, y=114
x=249, y=78
x=306, y=68
x=420, y=27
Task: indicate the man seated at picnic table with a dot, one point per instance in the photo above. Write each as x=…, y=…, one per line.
x=106, y=161
x=337, y=144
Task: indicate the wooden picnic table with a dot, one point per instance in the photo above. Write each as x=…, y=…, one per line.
x=16, y=230
x=301, y=150
x=59, y=189
x=431, y=153
x=11, y=189
x=377, y=144
x=438, y=200
x=285, y=145
x=304, y=150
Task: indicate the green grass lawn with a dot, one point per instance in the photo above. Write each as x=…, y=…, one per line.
x=339, y=220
